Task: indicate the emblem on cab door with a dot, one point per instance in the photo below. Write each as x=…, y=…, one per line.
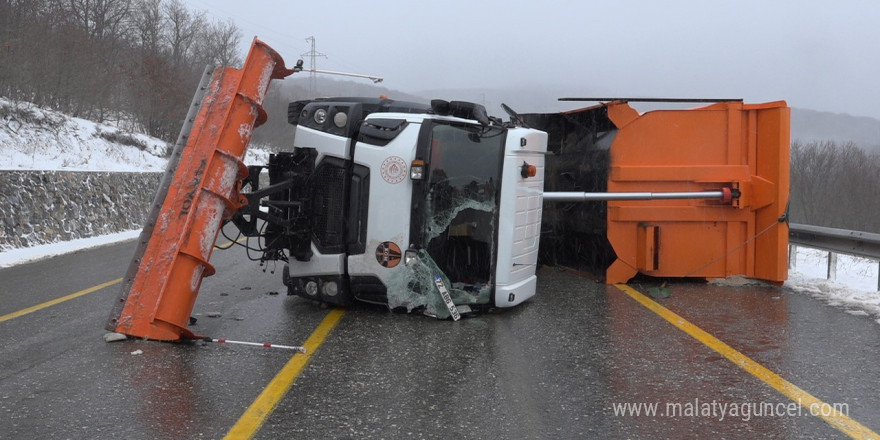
x=393, y=169
x=388, y=254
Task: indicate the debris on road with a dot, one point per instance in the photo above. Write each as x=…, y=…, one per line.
x=738, y=281
x=659, y=292
x=114, y=337
x=256, y=344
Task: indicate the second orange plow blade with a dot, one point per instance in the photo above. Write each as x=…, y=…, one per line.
x=729, y=144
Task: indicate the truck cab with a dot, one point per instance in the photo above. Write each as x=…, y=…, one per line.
x=433, y=208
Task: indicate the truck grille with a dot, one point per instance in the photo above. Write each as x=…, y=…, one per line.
x=329, y=203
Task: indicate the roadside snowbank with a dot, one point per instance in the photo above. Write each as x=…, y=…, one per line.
x=854, y=290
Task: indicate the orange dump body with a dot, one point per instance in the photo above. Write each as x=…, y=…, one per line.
x=159, y=293
x=729, y=144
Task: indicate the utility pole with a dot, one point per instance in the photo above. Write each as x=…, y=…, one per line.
x=312, y=54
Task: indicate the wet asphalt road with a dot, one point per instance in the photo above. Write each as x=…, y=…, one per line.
x=552, y=368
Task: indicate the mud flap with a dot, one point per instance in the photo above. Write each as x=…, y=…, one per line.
x=199, y=191
x=724, y=145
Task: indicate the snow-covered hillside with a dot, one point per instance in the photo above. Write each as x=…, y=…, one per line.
x=32, y=138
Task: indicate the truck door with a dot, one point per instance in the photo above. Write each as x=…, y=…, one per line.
x=381, y=192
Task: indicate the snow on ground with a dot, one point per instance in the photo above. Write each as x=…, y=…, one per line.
x=32, y=138
x=38, y=139
x=257, y=155
x=854, y=290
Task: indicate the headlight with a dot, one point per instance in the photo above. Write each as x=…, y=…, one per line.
x=320, y=116
x=340, y=119
x=330, y=288
x=312, y=288
x=411, y=256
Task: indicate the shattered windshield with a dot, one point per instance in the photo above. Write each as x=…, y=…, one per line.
x=457, y=231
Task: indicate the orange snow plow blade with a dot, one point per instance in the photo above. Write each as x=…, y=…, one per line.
x=200, y=190
x=724, y=145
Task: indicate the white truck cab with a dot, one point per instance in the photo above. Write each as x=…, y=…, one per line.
x=429, y=208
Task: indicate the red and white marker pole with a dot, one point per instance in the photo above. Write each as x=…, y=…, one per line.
x=257, y=344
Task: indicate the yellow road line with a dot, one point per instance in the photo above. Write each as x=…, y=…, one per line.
x=77, y=294
x=841, y=422
x=256, y=414
x=230, y=243
x=58, y=300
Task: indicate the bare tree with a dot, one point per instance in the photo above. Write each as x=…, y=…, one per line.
x=835, y=185
x=218, y=44
x=100, y=19
x=110, y=59
x=181, y=30
x=147, y=25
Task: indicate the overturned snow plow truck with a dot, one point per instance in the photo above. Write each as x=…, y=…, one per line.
x=443, y=209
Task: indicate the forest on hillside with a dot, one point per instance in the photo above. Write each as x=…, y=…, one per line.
x=835, y=185
x=132, y=62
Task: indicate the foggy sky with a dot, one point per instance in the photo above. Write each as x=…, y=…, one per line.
x=818, y=55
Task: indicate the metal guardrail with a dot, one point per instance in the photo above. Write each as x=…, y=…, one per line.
x=836, y=241
x=863, y=244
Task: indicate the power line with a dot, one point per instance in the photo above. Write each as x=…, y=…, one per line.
x=312, y=54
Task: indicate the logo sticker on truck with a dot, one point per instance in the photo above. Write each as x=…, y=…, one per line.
x=388, y=254
x=393, y=169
